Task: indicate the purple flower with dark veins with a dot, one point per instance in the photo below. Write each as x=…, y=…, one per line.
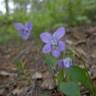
x=65, y=63
x=53, y=43
x=23, y=31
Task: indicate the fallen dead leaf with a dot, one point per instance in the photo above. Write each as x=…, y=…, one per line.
x=37, y=75
x=48, y=82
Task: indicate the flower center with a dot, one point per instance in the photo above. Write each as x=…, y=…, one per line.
x=27, y=30
x=54, y=42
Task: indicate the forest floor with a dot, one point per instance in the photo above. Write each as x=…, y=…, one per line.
x=81, y=39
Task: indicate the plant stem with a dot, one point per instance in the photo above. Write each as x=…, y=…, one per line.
x=91, y=86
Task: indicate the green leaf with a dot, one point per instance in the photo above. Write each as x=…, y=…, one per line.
x=50, y=60
x=78, y=74
x=70, y=89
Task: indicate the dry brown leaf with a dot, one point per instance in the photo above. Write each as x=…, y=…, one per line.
x=37, y=75
x=48, y=82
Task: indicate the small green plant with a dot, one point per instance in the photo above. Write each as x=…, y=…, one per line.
x=69, y=77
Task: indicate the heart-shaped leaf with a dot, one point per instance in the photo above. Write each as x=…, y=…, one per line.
x=70, y=89
x=78, y=74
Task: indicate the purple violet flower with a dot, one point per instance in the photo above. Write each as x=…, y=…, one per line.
x=65, y=63
x=53, y=43
x=23, y=31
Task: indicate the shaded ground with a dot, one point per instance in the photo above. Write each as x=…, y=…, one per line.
x=82, y=40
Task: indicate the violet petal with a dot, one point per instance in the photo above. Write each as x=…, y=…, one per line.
x=47, y=48
x=24, y=34
x=28, y=26
x=67, y=62
x=18, y=26
x=59, y=33
x=45, y=37
x=61, y=45
x=56, y=53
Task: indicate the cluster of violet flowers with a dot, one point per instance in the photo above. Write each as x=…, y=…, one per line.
x=53, y=44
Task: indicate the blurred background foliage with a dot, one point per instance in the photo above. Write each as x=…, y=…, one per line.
x=45, y=15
